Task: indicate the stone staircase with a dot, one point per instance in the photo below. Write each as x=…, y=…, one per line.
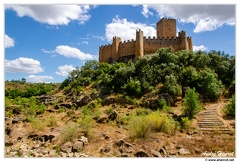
x=210, y=122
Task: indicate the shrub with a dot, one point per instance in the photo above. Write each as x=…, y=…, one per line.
x=161, y=123
x=133, y=87
x=191, y=103
x=51, y=121
x=69, y=133
x=230, y=108
x=139, y=127
x=162, y=103
x=37, y=124
x=85, y=125
x=185, y=123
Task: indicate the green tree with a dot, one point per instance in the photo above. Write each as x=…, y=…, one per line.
x=191, y=103
x=209, y=85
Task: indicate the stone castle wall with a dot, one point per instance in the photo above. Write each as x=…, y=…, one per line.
x=166, y=37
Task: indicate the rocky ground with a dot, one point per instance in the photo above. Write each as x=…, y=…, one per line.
x=109, y=138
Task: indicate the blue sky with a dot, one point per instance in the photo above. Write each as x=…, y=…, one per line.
x=43, y=43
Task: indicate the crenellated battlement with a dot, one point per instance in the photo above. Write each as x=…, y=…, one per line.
x=142, y=45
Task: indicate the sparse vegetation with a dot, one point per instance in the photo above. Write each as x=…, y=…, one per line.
x=230, y=108
x=70, y=133
x=37, y=124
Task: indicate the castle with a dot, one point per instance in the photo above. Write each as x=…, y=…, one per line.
x=134, y=49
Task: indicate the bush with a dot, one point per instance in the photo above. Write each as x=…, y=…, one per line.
x=85, y=125
x=230, y=108
x=37, y=124
x=51, y=121
x=133, y=87
x=139, y=127
x=161, y=123
x=191, y=103
x=69, y=133
x=185, y=123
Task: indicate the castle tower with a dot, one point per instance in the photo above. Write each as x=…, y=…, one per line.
x=115, y=45
x=166, y=28
x=190, y=45
x=183, y=43
x=100, y=54
x=139, y=44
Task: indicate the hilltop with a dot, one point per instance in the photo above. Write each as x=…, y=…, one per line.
x=158, y=106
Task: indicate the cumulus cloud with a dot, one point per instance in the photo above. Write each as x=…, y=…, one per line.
x=9, y=42
x=53, y=14
x=126, y=30
x=199, y=48
x=39, y=79
x=145, y=11
x=72, y=52
x=64, y=70
x=23, y=65
x=204, y=17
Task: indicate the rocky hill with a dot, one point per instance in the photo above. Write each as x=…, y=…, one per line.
x=172, y=104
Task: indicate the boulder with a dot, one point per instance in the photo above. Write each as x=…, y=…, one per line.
x=77, y=146
x=155, y=153
x=84, y=140
x=141, y=153
x=184, y=151
x=66, y=147
x=108, y=101
x=33, y=137
x=163, y=151
x=105, y=149
x=102, y=119
x=15, y=120
x=113, y=115
x=8, y=131
x=8, y=143
x=67, y=105
x=83, y=101
x=119, y=143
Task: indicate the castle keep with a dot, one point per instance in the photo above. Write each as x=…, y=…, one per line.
x=134, y=49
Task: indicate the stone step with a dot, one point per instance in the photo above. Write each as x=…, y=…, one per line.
x=219, y=122
x=222, y=131
x=209, y=122
x=209, y=119
x=209, y=116
x=212, y=127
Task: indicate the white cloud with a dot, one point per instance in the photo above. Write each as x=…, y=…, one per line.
x=84, y=42
x=126, y=30
x=53, y=14
x=46, y=51
x=72, y=52
x=199, y=48
x=23, y=65
x=64, y=70
x=204, y=17
x=146, y=11
x=9, y=42
x=39, y=79
x=98, y=37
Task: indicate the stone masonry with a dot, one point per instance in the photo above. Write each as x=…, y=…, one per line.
x=166, y=37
